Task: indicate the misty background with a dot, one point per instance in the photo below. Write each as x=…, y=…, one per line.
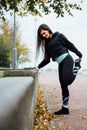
x=74, y=28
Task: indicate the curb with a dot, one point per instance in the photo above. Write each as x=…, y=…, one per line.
x=52, y=125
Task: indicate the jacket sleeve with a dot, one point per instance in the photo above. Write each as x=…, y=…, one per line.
x=70, y=45
x=45, y=61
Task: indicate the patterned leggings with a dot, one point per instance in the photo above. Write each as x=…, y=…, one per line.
x=66, y=77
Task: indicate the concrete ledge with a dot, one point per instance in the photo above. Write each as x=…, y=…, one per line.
x=17, y=102
x=10, y=73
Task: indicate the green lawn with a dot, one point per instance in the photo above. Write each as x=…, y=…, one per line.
x=1, y=73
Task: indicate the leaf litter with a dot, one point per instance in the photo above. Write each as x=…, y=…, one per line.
x=42, y=116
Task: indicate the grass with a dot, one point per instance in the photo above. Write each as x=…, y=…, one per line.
x=1, y=73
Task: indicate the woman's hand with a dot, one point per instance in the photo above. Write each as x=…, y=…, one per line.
x=35, y=69
x=80, y=59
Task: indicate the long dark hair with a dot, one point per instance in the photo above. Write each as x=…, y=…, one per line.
x=40, y=39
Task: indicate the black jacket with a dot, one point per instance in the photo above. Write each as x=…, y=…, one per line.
x=57, y=46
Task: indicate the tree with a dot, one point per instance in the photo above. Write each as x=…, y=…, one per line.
x=4, y=55
x=37, y=7
x=6, y=45
x=22, y=52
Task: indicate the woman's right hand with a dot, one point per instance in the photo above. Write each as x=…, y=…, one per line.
x=35, y=69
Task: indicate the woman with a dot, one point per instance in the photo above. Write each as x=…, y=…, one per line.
x=56, y=46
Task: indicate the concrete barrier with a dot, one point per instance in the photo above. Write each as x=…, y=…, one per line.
x=17, y=101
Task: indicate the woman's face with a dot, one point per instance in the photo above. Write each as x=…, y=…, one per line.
x=45, y=34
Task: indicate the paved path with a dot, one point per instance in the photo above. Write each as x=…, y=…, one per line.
x=77, y=119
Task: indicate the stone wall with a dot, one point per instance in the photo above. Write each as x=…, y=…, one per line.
x=18, y=94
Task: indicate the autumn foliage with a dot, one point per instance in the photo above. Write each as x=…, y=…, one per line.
x=42, y=116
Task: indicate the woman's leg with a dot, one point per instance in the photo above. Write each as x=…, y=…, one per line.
x=68, y=70
x=65, y=93
x=66, y=77
x=77, y=66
